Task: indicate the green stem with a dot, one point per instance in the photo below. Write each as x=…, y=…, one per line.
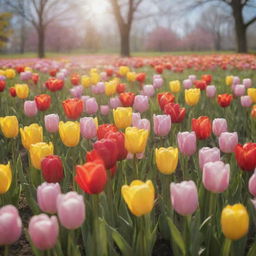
x=226, y=247
x=95, y=210
x=70, y=242
x=135, y=165
x=187, y=222
x=6, y=250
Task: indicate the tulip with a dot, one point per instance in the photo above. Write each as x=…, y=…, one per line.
x=110, y=88
x=165, y=98
x=22, y=90
x=187, y=143
x=166, y=159
x=120, y=88
x=236, y=80
x=43, y=101
x=47, y=197
x=115, y=102
x=187, y=84
x=174, y=86
x=228, y=141
x=139, y=197
x=216, y=176
x=162, y=124
x=104, y=110
x=192, y=78
x=135, y=140
x=252, y=93
x=210, y=91
x=10, y=225
x=5, y=178
x=247, y=82
x=207, y=78
x=253, y=112
x=184, y=197
x=141, y=103
x=158, y=82
x=143, y=124
x=175, y=111
x=252, y=184
x=239, y=90
x=73, y=108
x=131, y=76
x=68, y=128
x=122, y=117
x=85, y=81
x=30, y=108
x=202, y=127
x=148, y=90
x=88, y=126
x=52, y=168
x=51, y=122
x=234, y=221
x=123, y=70
x=9, y=126
x=54, y=84
x=207, y=154
x=10, y=73
x=38, y=151
x=246, y=156
x=31, y=134
x=77, y=91
x=229, y=80
x=91, y=177
x=105, y=128
x=71, y=210
x=91, y=106
x=224, y=100
x=136, y=117
x=200, y=84
x=192, y=96
x=246, y=101
x=127, y=98
x=12, y=91
x=43, y=231
x=219, y=125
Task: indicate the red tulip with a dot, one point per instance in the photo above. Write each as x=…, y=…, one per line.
x=52, y=169
x=224, y=100
x=109, y=71
x=159, y=69
x=73, y=108
x=75, y=79
x=105, y=128
x=35, y=78
x=207, y=78
x=120, y=88
x=91, y=177
x=43, y=101
x=93, y=156
x=246, y=156
x=119, y=138
x=175, y=111
x=202, y=126
x=54, y=84
x=141, y=77
x=12, y=91
x=53, y=72
x=127, y=98
x=200, y=84
x=2, y=85
x=165, y=98
x=20, y=69
x=108, y=151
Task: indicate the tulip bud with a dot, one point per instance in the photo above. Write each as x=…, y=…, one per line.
x=162, y=124
x=30, y=108
x=252, y=184
x=210, y=91
x=141, y=103
x=88, y=126
x=187, y=143
x=219, y=125
x=208, y=155
x=228, y=141
x=246, y=101
x=51, y=123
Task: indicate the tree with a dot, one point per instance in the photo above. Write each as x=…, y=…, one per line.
x=5, y=30
x=41, y=13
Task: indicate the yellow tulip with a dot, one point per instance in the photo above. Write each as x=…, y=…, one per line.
x=95, y=78
x=9, y=126
x=123, y=70
x=192, y=96
x=5, y=178
x=2, y=73
x=229, y=80
x=86, y=81
x=166, y=159
x=38, y=151
x=22, y=90
x=139, y=197
x=234, y=221
x=135, y=140
x=174, y=86
x=110, y=88
x=252, y=93
x=31, y=134
x=131, y=76
x=122, y=117
x=28, y=69
x=93, y=70
x=10, y=73
x=69, y=133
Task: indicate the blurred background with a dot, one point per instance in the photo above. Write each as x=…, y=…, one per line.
x=126, y=27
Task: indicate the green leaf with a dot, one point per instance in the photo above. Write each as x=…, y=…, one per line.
x=176, y=236
x=252, y=251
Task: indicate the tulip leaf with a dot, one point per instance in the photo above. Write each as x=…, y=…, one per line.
x=252, y=251
x=176, y=236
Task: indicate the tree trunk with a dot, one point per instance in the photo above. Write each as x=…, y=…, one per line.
x=125, y=41
x=217, y=42
x=22, y=36
x=240, y=27
x=41, y=37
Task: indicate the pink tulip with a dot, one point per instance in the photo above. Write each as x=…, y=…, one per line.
x=24, y=76
x=10, y=225
x=84, y=99
x=207, y=154
x=104, y=110
x=184, y=197
x=187, y=143
x=239, y=90
x=43, y=231
x=140, y=103
x=228, y=141
x=47, y=197
x=254, y=203
x=103, y=76
x=60, y=75
x=135, y=119
x=99, y=88
x=246, y=101
x=236, y=80
x=187, y=84
x=158, y=82
x=192, y=77
x=88, y=127
x=219, y=125
x=51, y=122
x=91, y=106
x=162, y=124
x=210, y=91
x=247, y=82
x=77, y=91
x=216, y=176
x=148, y=90
x=115, y=102
x=143, y=124
x=252, y=184
x=71, y=210
x=30, y=108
